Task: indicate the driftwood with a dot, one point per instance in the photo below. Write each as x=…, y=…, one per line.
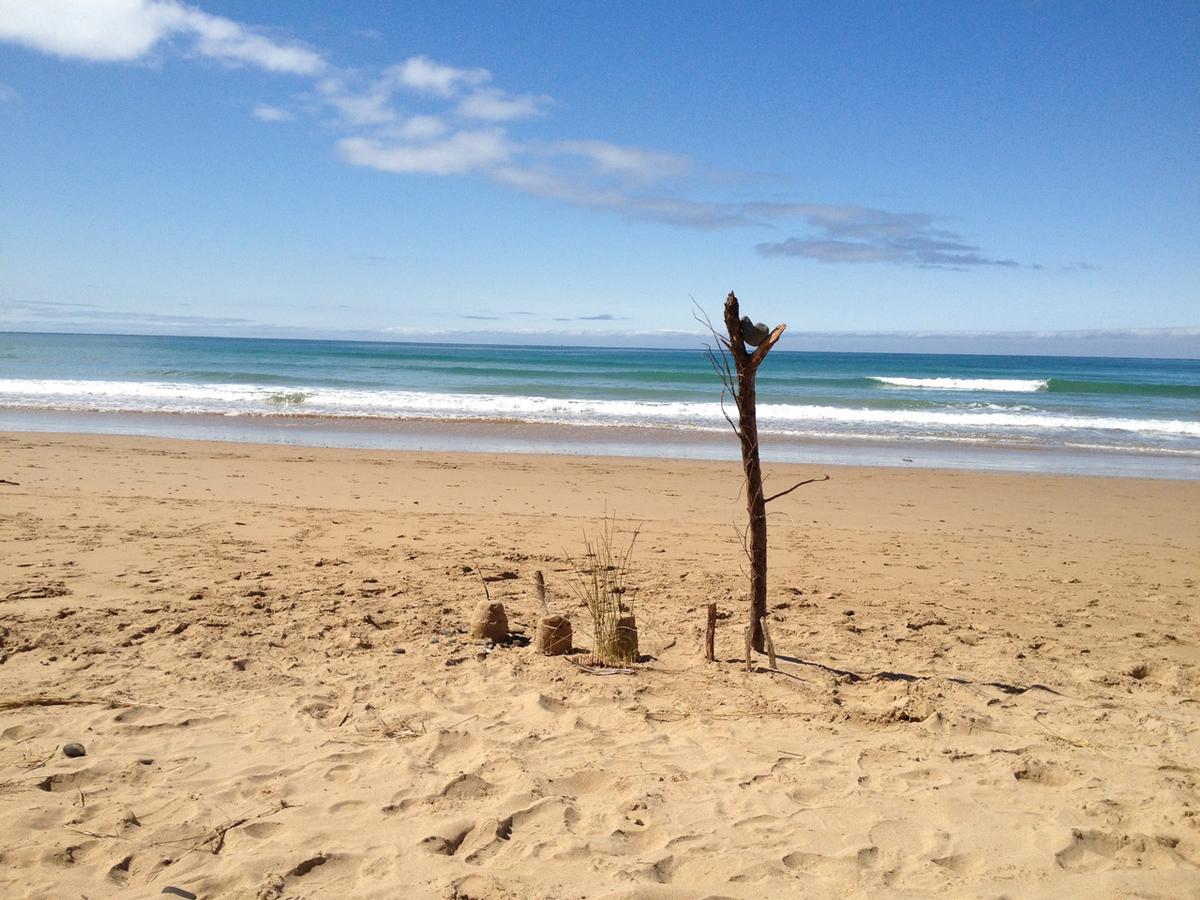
x=739, y=380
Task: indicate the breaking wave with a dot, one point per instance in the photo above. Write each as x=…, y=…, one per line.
x=782, y=418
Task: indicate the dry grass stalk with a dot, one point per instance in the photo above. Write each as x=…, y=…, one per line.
x=601, y=584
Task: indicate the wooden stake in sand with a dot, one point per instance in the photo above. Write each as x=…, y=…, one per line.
x=766, y=633
x=710, y=633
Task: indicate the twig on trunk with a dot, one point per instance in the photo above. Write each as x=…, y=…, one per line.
x=794, y=486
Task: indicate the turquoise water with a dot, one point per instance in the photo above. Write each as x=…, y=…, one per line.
x=1083, y=404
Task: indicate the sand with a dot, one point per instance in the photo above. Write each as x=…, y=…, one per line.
x=988, y=684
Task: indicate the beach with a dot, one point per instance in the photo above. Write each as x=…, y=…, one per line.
x=987, y=682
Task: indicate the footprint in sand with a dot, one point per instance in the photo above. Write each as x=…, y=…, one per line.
x=1096, y=851
x=451, y=838
x=466, y=787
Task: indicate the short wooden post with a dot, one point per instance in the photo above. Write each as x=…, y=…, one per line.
x=766, y=633
x=710, y=633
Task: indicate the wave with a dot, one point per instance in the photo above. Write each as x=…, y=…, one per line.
x=781, y=418
x=1011, y=385
x=1033, y=385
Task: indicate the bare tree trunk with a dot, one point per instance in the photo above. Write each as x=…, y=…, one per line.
x=746, y=366
x=738, y=380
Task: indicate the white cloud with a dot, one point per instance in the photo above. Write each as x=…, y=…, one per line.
x=460, y=153
x=634, y=162
x=380, y=133
x=370, y=106
x=364, y=103
x=495, y=105
x=128, y=30
x=231, y=42
x=419, y=128
x=272, y=114
x=423, y=75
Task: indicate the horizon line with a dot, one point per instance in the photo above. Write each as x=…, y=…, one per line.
x=375, y=337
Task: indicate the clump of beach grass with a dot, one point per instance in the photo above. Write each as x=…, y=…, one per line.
x=601, y=583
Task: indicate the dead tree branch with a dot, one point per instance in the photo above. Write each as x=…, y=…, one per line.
x=794, y=486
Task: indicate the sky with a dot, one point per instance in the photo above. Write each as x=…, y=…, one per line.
x=1019, y=176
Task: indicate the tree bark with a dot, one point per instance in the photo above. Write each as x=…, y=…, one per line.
x=746, y=365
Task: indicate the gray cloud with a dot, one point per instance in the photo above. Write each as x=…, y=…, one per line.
x=599, y=317
x=37, y=311
x=853, y=234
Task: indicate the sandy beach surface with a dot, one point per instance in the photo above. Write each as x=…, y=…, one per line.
x=988, y=685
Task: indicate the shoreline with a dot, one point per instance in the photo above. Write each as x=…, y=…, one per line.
x=643, y=442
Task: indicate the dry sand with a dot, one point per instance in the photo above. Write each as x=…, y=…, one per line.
x=989, y=684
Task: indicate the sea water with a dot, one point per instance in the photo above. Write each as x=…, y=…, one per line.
x=1144, y=407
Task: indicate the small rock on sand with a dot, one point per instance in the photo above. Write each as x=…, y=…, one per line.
x=74, y=750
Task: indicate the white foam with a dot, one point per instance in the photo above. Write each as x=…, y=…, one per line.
x=1011, y=385
x=249, y=399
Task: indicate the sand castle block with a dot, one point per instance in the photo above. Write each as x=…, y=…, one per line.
x=489, y=621
x=553, y=635
x=625, y=640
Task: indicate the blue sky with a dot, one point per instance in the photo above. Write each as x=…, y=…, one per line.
x=543, y=172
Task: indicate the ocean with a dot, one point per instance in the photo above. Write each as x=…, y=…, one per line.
x=1119, y=416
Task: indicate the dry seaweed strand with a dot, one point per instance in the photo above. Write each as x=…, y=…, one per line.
x=22, y=702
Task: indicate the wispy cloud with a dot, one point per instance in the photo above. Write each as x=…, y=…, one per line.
x=424, y=116
x=460, y=153
x=599, y=317
x=851, y=234
x=129, y=30
x=8, y=94
x=495, y=105
x=38, y=312
x=423, y=75
x=626, y=162
x=265, y=113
